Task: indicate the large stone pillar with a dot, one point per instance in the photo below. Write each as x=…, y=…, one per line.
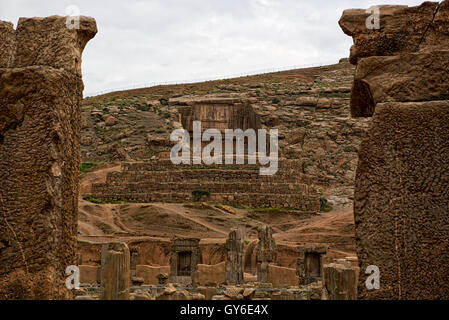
x=40, y=107
x=234, y=257
x=115, y=271
x=266, y=252
x=401, y=202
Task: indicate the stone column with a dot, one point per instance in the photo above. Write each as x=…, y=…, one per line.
x=401, y=201
x=234, y=257
x=340, y=281
x=40, y=108
x=115, y=271
x=266, y=252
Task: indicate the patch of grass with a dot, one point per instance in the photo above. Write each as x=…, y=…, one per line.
x=324, y=206
x=275, y=100
x=87, y=166
x=341, y=95
x=304, y=167
x=102, y=201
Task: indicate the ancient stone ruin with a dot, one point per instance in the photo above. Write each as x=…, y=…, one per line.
x=163, y=181
x=234, y=257
x=115, y=271
x=40, y=96
x=219, y=113
x=401, y=202
x=266, y=252
x=184, y=258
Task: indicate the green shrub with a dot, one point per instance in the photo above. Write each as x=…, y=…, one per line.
x=87, y=166
x=101, y=201
x=275, y=100
x=304, y=167
x=324, y=206
x=143, y=107
x=198, y=194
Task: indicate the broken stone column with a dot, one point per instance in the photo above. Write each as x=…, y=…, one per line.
x=115, y=271
x=234, y=257
x=401, y=203
x=340, y=281
x=135, y=261
x=266, y=252
x=40, y=109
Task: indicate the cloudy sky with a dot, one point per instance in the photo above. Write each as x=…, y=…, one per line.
x=141, y=42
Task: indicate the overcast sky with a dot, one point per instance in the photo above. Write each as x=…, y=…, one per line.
x=142, y=42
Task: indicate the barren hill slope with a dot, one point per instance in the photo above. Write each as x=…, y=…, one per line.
x=309, y=107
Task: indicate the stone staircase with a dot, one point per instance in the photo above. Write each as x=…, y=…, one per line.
x=162, y=181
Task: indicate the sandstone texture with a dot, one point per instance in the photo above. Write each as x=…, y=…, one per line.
x=401, y=189
x=40, y=96
x=403, y=29
x=401, y=201
x=414, y=38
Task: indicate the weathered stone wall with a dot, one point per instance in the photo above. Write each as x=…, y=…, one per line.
x=212, y=274
x=401, y=201
x=219, y=113
x=281, y=277
x=40, y=94
x=149, y=273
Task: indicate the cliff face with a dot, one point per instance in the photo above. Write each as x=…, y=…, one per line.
x=40, y=96
x=401, y=191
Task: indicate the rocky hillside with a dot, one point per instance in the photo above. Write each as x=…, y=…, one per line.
x=309, y=107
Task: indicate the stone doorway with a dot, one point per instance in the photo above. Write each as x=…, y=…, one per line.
x=184, y=264
x=312, y=265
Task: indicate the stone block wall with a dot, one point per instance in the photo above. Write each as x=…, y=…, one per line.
x=229, y=184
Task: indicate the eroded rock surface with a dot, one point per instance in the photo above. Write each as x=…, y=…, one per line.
x=401, y=192
x=40, y=95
